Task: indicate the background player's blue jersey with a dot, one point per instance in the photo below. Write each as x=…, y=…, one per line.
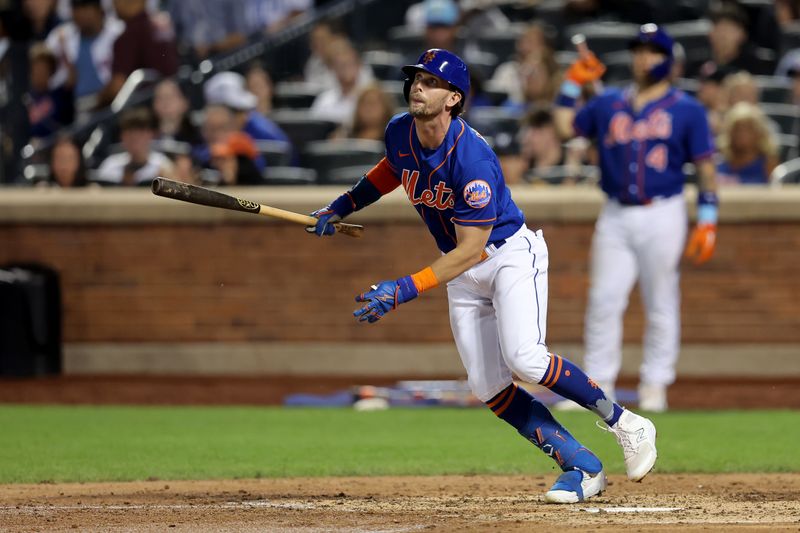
x=642, y=153
x=460, y=182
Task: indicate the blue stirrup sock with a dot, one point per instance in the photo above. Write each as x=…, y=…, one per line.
x=565, y=378
x=534, y=422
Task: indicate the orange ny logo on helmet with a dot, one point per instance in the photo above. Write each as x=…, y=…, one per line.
x=429, y=56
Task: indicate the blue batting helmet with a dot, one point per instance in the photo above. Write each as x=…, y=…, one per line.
x=651, y=34
x=443, y=64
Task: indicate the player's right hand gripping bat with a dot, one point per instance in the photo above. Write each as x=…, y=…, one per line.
x=195, y=194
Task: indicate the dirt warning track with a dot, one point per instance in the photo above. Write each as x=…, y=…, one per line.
x=757, y=502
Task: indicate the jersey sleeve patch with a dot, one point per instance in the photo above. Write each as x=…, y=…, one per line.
x=477, y=194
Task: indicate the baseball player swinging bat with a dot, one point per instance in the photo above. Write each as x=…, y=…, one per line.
x=194, y=194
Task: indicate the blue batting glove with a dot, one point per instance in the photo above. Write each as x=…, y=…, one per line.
x=325, y=219
x=384, y=297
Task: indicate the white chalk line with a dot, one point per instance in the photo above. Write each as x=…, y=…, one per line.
x=158, y=506
x=629, y=509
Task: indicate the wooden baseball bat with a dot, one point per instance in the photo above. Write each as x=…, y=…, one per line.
x=195, y=194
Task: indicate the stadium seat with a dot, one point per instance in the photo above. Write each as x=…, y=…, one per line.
x=295, y=95
x=301, y=127
x=347, y=175
x=774, y=89
x=325, y=156
x=790, y=37
x=395, y=90
x=605, y=37
x=498, y=125
x=406, y=41
x=785, y=115
x=36, y=173
x=788, y=146
x=501, y=43
x=281, y=175
x=788, y=172
x=691, y=34
x=565, y=58
x=618, y=67
x=171, y=147
x=688, y=85
x=276, y=153
x=385, y=65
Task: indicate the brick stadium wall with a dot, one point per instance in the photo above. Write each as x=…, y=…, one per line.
x=237, y=281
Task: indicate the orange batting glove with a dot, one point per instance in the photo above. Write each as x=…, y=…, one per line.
x=586, y=69
x=701, y=243
x=704, y=237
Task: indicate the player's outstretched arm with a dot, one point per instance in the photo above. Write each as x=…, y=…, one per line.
x=372, y=185
x=703, y=238
x=387, y=295
x=587, y=69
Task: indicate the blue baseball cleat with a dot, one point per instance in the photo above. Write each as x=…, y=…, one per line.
x=576, y=486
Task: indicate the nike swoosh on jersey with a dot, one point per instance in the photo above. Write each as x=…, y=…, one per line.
x=401, y=154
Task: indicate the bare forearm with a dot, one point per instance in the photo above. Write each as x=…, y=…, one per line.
x=456, y=262
x=707, y=176
x=564, y=117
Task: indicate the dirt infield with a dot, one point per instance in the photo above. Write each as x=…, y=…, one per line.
x=271, y=390
x=395, y=504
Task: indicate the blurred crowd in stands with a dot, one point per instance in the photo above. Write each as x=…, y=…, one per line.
x=63, y=62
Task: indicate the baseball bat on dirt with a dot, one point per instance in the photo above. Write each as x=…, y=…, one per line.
x=194, y=194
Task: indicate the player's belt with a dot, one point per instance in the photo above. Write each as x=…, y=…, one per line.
x=641, y=201
x=493, y=246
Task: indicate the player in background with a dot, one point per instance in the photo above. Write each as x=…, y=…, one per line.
x=644, y=135
x=495, y=269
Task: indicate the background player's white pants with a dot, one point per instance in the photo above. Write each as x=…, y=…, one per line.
x=498, y=313
x=630, y=241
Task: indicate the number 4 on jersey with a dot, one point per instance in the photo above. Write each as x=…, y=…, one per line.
x=657, y=157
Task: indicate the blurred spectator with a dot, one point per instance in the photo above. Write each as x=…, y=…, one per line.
x=742, y=87
x=143, y=44
x=171, y=109
x=532, y=44
x=208, y=27
x=48, y=109
x=794, y=75
x=316, y=70
x=748, y=148
x=374, y=109
x=64, y=8
x=41, y=17
x=84, y=47
x=441, y=25
x=228, y=89
x=272, y=15
x=138, y=164
x=539, y=82
x=787, y=12
x=234, y=158
x=541, y=157
x=712, y=95
x=482, y=15
x=728, y=38
x=259, y=82
x=338, y=103
x=219, y=125
x=67, y=167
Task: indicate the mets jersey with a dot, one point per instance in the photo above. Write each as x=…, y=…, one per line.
x=642, y=153
x=460, y=182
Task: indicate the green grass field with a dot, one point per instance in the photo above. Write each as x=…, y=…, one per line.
x=128, y=443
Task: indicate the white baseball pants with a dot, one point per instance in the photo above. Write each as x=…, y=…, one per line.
x=630, y=242
x=498, y=314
